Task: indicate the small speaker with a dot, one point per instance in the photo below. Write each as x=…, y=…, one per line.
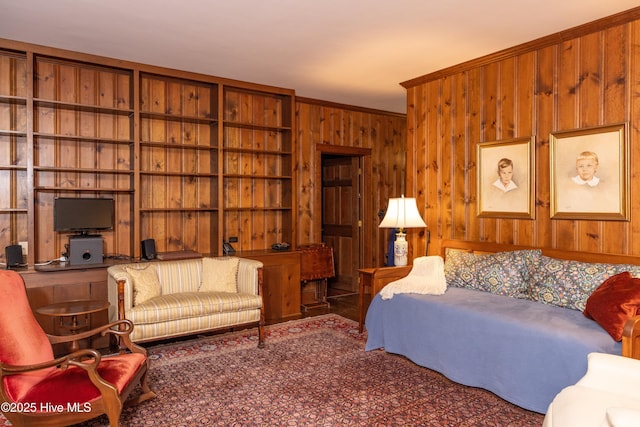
x=13, y=255
x=149, y=249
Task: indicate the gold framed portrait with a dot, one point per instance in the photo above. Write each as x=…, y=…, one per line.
x=506, y=178
x=590, y=173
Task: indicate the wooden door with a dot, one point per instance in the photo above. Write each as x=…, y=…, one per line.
x=341, y=217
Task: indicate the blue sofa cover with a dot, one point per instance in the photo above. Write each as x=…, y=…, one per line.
x=521, y=350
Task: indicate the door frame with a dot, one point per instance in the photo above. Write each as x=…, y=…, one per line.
x=366, y=203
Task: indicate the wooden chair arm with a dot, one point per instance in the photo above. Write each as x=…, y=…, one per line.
x=101, y=330
x=631, y=338
x=120, y=328
x=120, y=308
x=76, y=358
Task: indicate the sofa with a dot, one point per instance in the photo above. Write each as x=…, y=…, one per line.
x=512, y=320
x=166, y=299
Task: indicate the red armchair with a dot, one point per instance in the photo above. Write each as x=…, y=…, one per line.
x=38, y=389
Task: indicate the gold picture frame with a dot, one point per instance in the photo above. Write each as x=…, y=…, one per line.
x=590, y=173
x=505, y=184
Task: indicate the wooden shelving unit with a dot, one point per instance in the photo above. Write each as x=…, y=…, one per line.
x=82, y=146
x=178, y=195
x=258, y=178
x=14, y=152
x=190, y=160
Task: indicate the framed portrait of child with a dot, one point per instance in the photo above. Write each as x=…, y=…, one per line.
x=505, y=181
x=589, y=173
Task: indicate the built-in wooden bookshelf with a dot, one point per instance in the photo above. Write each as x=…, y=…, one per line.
x=190, y=162
x=258, y=168
x=178, y=195
x=14, y=152
x=83, y=138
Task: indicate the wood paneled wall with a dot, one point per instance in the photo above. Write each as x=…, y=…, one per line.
x=583, y=77
x=355, y=130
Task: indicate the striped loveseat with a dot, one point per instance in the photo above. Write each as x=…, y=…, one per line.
x=167, y=299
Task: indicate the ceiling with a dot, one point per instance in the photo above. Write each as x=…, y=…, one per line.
x=347, y=51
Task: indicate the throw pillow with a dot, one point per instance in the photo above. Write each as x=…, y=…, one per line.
x=616, y=300
x=459, y=268
x=219, y=274
x=505, y=273
x=502, y=273
x=145, y=283
x=567, y=283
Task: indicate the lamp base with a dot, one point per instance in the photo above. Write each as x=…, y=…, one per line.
x=400, y=249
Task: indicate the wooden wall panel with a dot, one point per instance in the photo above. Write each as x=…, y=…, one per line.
x=632, y=237
x=350, y=128
x=581, y=78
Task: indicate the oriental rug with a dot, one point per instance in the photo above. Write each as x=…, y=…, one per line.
x=312, y=372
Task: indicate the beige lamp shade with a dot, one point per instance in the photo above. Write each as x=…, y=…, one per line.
x=402, y=213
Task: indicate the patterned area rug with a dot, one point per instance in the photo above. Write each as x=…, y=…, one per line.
x=312, y=372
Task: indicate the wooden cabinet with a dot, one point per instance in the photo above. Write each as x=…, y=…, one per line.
x=281, y=286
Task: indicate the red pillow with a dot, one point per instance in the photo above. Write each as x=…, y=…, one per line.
x=614, y=302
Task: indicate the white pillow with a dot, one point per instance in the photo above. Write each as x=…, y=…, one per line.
x=219, y=274
x=145, y=283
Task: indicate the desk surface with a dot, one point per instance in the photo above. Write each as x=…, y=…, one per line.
x=73, y=308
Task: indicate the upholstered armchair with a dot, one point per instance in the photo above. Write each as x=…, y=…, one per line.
x=607, y=395
x=38, y=389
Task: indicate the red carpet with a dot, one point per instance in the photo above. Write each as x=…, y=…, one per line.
x=312, y=372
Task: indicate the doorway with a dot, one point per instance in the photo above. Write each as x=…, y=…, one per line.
x=342, y=212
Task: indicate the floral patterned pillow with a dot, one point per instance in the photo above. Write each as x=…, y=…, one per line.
x=506, y=273
x=502, y=273
x=568, y=283
x=458, y=268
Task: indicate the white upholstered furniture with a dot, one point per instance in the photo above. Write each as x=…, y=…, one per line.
x=607, y=395
x=167, y=299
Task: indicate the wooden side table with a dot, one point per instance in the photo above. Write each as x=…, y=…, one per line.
x=67, y=313
x=375, y=279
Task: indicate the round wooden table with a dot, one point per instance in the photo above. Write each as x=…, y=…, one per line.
x=71, y=310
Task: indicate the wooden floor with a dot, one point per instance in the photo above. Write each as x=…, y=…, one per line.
x=344, y=305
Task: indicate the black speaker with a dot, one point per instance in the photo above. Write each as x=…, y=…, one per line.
x=149, y=249
x=85, y=250
x=13, y=255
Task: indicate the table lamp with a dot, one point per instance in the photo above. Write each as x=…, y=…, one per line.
x=402, y=213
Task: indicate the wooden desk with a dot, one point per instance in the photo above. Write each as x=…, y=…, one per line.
x=71, y=310
x=375, y=279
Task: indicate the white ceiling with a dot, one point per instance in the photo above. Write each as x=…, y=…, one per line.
x=348, y=51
